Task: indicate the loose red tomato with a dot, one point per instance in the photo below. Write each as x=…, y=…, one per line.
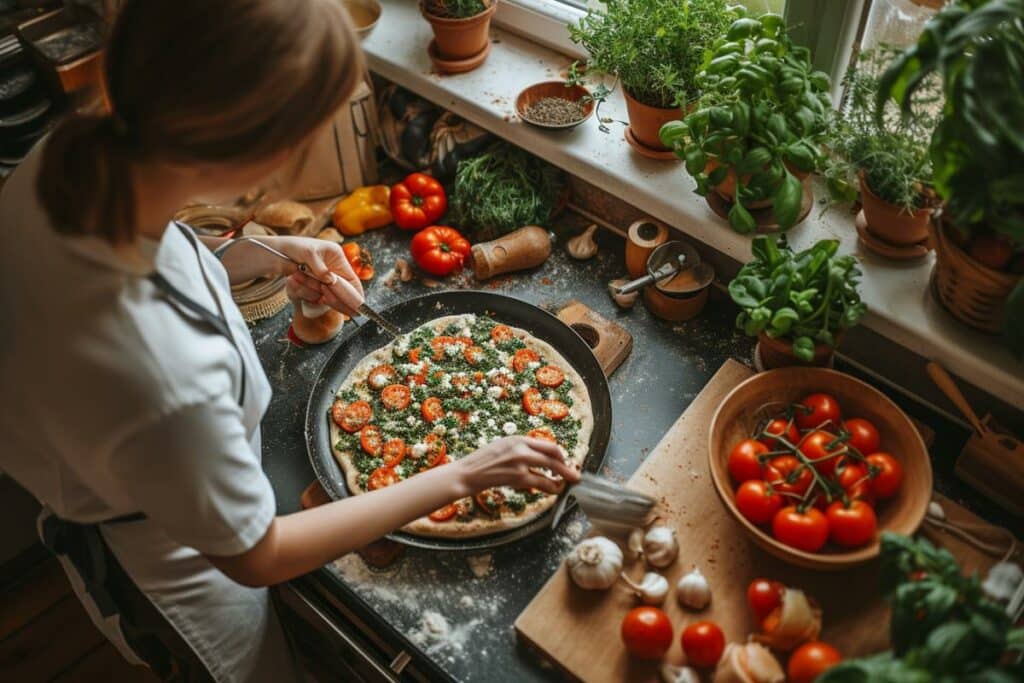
x=381, y=376
x=757, y=502
x=490, y=501
x=440, y=250
x=522, y=359
x=863, y=435
x=703, y=643
x=356, y=416
x=744, y=460
x=806, y=530
x=550, y=376
x=810, y=660
x=817, y=447
x=851, y=526
x=432, y=409
x=417, y=201
x=791, y=475
x=393, y=452
x=542, y=433
x=501, y=333
x=815, y=410
x=780, y=427
x=555, y=410
x=886, y=474
x=370, y=439
x=764, y=595
x=437, y=450
x=533, y=401
x=382, y=477
x=647, y=632
x=360, y=260
x=474, y=354
x=396, y=397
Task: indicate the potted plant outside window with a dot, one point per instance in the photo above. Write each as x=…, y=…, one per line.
x=885, y=159
x=461, y=28
x=756, y=131
x=797, y=304
x=654, y=48
x=977, y=150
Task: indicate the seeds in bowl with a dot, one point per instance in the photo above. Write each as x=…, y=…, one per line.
x=556, y=111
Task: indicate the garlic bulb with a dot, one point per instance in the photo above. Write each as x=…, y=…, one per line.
x=935, y=511
x=693, y=590
x=660, y=546
x=622, y=300
x=671, y=673
x=582, y=246
x=651, y=590
x=1003, y=580
x=748, y=663
x=798, y=621
x=595, y=564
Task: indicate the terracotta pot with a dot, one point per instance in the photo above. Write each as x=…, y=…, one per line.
x=890, y=223
x=645, y=121
x=727, y=188
x=778, y=353
x=459, y=39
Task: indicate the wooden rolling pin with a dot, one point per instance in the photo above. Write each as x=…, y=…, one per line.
x=525, y=248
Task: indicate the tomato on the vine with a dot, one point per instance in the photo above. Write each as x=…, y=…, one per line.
x=790, y=475
x=780, y=427
x=863, y=435
x=807, y=530
x=886, y=475
x=817, y=447
x=757, y=502
x=815, y=410
x=852, y=525
x=763, y=596
x=647, y=632
x=703, y=642
x=810, y=660
x=744, y=460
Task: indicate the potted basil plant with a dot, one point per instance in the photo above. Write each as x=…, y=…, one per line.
x=762, y=113
x=797, y=303
x=654, y=48
x=461, y=28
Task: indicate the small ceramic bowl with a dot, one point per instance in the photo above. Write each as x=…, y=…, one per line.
x=538, y=91
x=364, y=14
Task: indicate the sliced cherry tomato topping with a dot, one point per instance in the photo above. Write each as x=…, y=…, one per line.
x=504, y=381
x=445, y=513
x=555, y=410
x=437, y=450
x=533, y=401
x=381, y=477
x=460, y=380
x=356, y=416
x=432, y=409
x=462, y=416
x=490, y=501
x=501, y=333
x=550, y=376
x=381, y=376
x=522, y=359
x=473, y=354
x=414, y=355
x=542, y=433
x=338, y=409
x=393, y=452
x=396, y=397
x=439, y=345
x=371, y=439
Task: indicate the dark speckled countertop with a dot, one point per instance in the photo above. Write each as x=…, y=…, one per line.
x=457, y=610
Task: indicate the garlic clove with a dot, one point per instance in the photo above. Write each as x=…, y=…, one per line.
x=670, y=673
x=935, y=511
x=403, y=269
x=652, y=589
x=636, y=543
x=748, y=663
x=660, y=546
x=693, y=590
x=622, y=300
x=582, y=246
x=595, y=563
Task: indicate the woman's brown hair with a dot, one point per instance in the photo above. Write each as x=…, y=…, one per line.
x=194, y=81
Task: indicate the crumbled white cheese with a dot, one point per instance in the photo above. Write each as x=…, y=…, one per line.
x=419, y=450
x=474, y=418
x=490, y=344
x=505, y=371
x=478, y=390
x=494, y=392
x=379, y=380
x=410, y=420
x=453, y=350
x=446, y=382
x=482, y=441
x=493, y=372
x=503, y=357
x=535, y=421
x=491, y=423
x=509, y=428
x=416, y=405
x=533, y=365
x=453, y=433
x=440, y=429
x=402, y=344
x=524, y=387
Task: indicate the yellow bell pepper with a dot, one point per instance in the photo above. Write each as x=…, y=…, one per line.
x=365, y=209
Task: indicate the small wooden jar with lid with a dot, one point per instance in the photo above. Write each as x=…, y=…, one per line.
x=682, y=296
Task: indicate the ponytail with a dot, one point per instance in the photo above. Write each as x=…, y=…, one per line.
x=84, y=183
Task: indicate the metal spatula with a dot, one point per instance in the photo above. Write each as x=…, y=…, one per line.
x=607, y=504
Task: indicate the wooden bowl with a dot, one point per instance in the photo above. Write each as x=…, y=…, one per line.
x=538, y=91
x=741, y=411
x=364, y=14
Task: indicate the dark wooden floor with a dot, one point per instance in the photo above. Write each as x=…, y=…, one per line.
x=46, y=635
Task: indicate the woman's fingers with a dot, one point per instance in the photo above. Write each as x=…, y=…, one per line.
x=539, y=481
x=298, y=288
x=341, y=294
x=553, y=461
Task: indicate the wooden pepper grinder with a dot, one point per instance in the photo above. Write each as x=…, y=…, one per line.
x=316, y=323
x=525, y=248
x=643, y=237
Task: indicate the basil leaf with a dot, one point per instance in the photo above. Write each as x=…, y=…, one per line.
x=787, y=201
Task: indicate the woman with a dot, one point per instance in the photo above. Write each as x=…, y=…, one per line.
x=132, y=391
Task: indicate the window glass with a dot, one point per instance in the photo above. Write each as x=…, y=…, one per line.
x=897, y=22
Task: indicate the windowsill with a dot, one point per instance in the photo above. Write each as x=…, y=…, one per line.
x=900, y=305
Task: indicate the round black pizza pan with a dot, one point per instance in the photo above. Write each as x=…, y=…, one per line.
x=409, y=315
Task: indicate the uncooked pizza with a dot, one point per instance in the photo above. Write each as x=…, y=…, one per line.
x=441, y=392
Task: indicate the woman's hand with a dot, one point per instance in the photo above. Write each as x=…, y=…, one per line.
x=327, y=264
x=515, y=461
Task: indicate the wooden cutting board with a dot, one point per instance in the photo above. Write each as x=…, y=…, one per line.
x=578, y=631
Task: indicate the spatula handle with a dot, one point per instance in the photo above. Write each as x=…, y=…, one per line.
x=948, y=387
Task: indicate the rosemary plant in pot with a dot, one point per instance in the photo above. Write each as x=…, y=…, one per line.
x=977, y=151
x=654, y=48
x=886, y=159
x=460, y=26
x=797, y=303
x=755, y=133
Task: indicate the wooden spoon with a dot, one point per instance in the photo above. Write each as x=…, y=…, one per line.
x=948, y=387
